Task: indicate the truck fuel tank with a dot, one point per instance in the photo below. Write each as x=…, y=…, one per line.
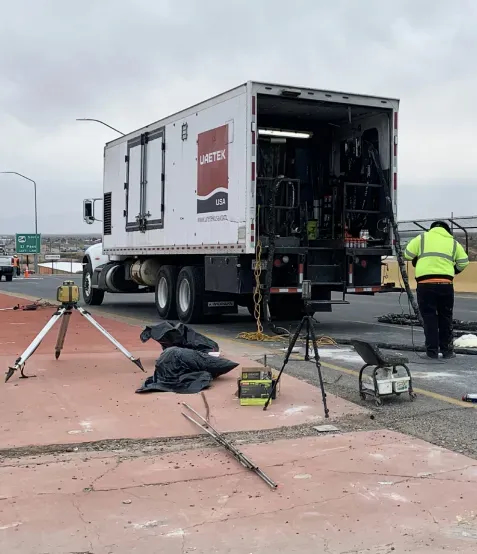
x=144, y=272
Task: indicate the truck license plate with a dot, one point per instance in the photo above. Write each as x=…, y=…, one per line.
x=263, y=264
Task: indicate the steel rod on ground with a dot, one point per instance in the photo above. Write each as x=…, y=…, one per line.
x=219, y=437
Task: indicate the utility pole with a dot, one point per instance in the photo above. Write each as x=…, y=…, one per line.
x=102, y=123
x=36, y=210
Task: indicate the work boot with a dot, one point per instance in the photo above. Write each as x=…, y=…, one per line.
x=432, y=355
x=448, y=355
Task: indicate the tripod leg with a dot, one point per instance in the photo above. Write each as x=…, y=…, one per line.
x=318, y=364
x=60, y=341
x=20, y=362
x=285, y=361
x=307, y=343
x=103, y=331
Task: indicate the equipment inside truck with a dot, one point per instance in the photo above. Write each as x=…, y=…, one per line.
x=331, y=191
x=319, y=189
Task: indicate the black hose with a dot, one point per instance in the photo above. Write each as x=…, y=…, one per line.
x=406, y=320
x=374, y=154
x=406, y=347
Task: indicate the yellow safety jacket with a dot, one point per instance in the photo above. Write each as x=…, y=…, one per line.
x=439, y=255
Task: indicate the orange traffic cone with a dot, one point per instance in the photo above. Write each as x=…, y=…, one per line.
x=27, y=272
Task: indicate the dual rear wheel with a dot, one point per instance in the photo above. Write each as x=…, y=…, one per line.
x=180, y=294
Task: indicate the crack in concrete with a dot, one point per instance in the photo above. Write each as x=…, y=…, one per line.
x=109, y=470
x=431, y=515
x=186, y=442
x=268, y=512
x=85, y=523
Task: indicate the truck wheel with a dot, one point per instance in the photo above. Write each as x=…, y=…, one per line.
x=165, y=295
x=190, y=294
x=8, y=278
x=92, y=297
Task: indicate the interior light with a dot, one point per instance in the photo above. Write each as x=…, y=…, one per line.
x=290, y=134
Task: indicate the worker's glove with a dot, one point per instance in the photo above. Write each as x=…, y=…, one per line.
x=414, y=262
x=457, y=270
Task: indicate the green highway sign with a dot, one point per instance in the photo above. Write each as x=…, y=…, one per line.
x=27, y=244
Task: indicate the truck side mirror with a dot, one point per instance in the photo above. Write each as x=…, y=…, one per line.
x=88, y=211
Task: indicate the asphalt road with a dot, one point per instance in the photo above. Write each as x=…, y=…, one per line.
x=437, y=415
x=357, y=320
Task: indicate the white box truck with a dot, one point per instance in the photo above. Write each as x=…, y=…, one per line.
x=262, y=178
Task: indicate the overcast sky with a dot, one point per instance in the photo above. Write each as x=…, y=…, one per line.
x=131, y=62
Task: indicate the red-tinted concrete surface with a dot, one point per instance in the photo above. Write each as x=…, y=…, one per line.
x=89, y=393
x=368, y=492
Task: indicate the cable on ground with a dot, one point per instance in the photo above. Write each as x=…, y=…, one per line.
x=259, y=335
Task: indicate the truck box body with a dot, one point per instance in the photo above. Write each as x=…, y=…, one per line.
x=287, y=166
x=205, y=142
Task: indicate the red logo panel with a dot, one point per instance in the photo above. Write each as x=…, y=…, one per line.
x=213, y=170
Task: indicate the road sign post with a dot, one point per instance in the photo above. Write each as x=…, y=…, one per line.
x=52, y=258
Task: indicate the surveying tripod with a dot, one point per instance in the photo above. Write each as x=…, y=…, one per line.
x=306, y=323
x=68, y=295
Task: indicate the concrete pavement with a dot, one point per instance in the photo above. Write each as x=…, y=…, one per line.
x=438, y=415
x=88, y=466
x=369, y=492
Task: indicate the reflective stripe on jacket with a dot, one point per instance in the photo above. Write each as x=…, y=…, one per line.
x=438, y=255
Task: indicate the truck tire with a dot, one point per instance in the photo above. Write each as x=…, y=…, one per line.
x=190, y=294
x=8, y=278
x=165, y=293
x=92, y=297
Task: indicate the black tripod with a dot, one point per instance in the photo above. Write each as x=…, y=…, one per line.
x=308, y=323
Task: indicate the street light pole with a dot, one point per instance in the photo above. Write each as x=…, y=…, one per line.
x=102, y=123
x=36, y=210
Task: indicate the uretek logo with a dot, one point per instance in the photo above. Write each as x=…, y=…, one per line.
x=213, y=170
x=212, y=157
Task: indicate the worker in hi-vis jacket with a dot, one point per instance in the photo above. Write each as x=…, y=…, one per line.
x=437, y=257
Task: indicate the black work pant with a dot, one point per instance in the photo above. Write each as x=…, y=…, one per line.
x=436, y=304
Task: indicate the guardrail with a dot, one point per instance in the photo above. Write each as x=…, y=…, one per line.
x=462, y=227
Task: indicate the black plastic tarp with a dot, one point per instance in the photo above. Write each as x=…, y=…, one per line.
x=184, y=370
x=183, y=336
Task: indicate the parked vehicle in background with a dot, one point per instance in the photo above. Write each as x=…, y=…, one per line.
x=6, y=268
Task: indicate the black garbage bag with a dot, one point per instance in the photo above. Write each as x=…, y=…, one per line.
x=186, y=371
x=180, y=335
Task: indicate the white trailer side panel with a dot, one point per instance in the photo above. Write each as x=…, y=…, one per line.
x=201, y=207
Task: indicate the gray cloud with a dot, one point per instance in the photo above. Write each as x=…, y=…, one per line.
x=131, y=62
